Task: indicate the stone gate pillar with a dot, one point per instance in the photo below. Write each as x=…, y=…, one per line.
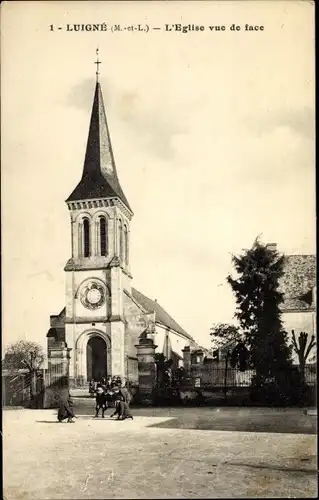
x=57, y=378
x=187, y=357
x=146, y=368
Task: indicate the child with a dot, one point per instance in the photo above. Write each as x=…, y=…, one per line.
x=109, y=382
x=122, y=410
x=92, y=388
x=101, y=402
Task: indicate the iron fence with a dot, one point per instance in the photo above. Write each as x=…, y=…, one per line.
x=311, y=375
x=19, y=386
x=219, y=377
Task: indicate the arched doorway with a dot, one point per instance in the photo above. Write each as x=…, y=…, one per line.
x=96, y=359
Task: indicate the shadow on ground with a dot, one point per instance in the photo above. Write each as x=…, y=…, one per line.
x=271, y=420
x=262, y=423
x=47, y=422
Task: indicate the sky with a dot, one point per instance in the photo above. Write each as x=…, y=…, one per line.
x=213, y=136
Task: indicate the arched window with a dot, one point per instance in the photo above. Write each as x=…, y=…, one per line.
x=126, y=244
x=121, y=240
x=86, y=238
x=103, y=236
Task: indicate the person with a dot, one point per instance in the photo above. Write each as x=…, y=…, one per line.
x=117, y=394
x=168, y=376
x=109, y=382
x=65, y=409
x=101, y=402
x=122, y=410
x=92, y=388
x=114, y=383
x=126, y=394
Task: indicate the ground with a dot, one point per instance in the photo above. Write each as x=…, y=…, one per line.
x=162, y=453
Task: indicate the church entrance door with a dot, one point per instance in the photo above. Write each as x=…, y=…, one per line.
x=96, y=359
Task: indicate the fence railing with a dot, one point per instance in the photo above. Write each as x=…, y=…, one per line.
x=219, y=377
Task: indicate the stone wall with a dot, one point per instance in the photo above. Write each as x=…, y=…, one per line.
x=132, y=370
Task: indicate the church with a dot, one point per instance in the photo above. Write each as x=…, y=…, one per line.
x=104, y=315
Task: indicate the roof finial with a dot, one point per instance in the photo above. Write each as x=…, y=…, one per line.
x=97, y=62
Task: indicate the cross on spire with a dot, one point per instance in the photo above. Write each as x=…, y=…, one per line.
x=97, y=62
x=99, y=177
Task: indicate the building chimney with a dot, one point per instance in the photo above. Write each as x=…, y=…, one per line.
x=272, y=247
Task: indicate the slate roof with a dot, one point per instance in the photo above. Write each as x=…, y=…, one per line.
x=298, y=281
x=99, y=178
x=161, y=315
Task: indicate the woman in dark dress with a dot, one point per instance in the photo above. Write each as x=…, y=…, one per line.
x=65, y=410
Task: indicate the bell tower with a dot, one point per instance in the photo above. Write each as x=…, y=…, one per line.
x=99, y=267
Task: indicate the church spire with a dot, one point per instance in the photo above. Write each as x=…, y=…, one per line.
x=97, y=62
x=99, y=178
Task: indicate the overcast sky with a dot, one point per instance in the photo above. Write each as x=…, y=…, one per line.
x=213, y=136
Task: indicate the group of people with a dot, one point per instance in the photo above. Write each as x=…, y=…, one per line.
x=105, y=392
x=121, y=399
x=106, y=383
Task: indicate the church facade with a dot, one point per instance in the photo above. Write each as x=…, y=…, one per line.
x=104, y=315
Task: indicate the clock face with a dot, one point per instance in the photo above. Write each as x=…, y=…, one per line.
x=92, y=295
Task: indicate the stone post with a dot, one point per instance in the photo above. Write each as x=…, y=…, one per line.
x=57, y=383
x=187, y=357
x=146, y=369
x=200, y=354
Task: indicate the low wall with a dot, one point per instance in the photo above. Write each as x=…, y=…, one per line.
x=215, y=396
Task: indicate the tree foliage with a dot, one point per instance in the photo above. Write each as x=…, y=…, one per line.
x=224, y=334
x=258, y=298
x=23, y=354
x=230, y=338
x=162, y=366
x=240, y=356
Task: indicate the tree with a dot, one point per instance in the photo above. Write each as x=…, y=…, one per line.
x=258, y=299
x=223, y=334
x=163, y=369
x=231, y=337
x=302, y=350
x=240, y=357
x=25, y=354
x=160, y=361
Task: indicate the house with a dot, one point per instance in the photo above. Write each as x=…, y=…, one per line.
x=298, y=285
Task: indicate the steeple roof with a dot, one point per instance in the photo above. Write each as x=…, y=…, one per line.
x=99, y=178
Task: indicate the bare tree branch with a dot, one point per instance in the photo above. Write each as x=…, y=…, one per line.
x=312, y=344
